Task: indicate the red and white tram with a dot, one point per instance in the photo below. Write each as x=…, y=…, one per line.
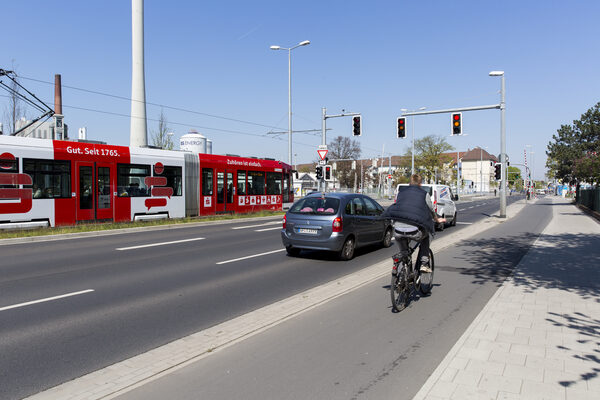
x=57, y=183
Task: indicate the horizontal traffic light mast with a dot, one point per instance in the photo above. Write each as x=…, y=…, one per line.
x=451, y=110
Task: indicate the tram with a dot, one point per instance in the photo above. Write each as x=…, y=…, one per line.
x=60, y=183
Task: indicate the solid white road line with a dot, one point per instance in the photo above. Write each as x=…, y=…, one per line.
x=46, y=299
x=158, y=244
x=254, y=226
x=252, y=256
x=267, y=229
x=464, y=223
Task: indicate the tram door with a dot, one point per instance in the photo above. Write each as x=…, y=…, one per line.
x=225, y=191
x=95, y=186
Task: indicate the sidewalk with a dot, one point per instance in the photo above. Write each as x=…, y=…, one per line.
x=539, y=335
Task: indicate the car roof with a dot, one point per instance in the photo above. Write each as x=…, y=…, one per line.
x=332, y=194
x=338, y=195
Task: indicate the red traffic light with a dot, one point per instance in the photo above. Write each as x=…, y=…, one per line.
x=356, y=126
x=457, y=123
x=401, y=127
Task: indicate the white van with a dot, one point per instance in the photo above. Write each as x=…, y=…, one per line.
x=443, y=202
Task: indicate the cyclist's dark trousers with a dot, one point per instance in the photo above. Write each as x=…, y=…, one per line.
x=423, y=247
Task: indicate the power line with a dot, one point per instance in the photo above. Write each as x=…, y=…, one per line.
x=155, y=104
x=263, y=135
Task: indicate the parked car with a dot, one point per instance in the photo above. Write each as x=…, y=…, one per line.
x=338, y=222
x=443, y=202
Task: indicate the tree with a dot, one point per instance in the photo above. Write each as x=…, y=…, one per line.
x=573, y=153
x=344, y=148
x=428, y=155
x=514, y=175
x=161, y=138
x=14, y=110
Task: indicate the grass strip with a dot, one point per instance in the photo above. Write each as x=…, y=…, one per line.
x=105, y=226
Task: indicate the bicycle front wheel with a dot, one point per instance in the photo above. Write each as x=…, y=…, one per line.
x=426, y=282
x=399, y=290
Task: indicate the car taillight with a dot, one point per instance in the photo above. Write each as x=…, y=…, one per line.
x=337, y=225
x=284, y=221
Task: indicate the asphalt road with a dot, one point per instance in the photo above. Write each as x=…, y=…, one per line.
x=354, y=347
x=128, y=293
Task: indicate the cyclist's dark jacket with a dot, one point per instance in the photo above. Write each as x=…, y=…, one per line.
x=411, y=208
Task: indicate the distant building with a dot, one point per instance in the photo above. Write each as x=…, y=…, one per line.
x=43, y=130
x=477, y=167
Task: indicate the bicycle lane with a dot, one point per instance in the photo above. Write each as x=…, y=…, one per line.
x=348, y=347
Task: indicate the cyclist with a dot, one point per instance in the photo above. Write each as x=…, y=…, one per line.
x=413, y=217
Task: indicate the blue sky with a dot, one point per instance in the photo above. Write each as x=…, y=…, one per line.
x=372, y=57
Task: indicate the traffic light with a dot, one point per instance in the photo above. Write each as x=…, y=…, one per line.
x=356, y=125
x=328, y=172
x=498, y=171
x=319, y=172
x=457, y=123
x=401, y=127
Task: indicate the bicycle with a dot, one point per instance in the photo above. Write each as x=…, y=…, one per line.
x=405, y=280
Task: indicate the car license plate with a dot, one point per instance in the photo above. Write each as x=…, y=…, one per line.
x=308, y=231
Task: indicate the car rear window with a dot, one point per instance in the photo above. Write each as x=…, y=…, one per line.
x=316, y=205
x=428, y=189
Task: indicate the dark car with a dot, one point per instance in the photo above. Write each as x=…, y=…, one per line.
x=337, y=222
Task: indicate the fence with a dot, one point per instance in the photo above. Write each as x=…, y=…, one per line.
x=589, y=198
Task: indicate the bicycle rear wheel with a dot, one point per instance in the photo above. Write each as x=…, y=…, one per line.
x=399, y=289
x=426, y=282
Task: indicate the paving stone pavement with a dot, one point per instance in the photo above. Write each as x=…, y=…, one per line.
x=539, y=335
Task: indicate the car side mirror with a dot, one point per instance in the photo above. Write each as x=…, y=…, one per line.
x=455, y=197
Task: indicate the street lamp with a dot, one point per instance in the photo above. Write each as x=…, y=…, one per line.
x=502, y=142
x=289, y=49
x=412, y=122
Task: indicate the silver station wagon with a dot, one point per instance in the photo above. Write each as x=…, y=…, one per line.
x=338, y=222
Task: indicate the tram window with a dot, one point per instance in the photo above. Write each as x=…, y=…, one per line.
x=220, y=187
x=256, y=183
x=131, y=180
x=51, y=178
x=173, y=175
x=273, y=182
x=241, y=183
x=207, y=181
x=9, y=166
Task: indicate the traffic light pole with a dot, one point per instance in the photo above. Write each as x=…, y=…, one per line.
x=324, y=135
x=502, y=108
x=503, y=150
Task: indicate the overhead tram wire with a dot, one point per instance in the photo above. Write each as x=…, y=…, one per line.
x=155, y=104
x=263, y=135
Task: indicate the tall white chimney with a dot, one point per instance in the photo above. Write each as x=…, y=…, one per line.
x=138, y=134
